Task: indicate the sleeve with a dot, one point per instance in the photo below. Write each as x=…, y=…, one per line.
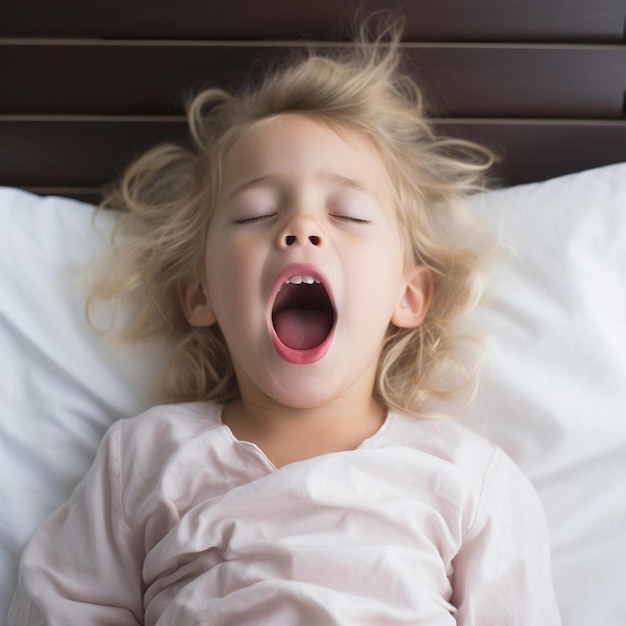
x=83, y=565
x=502, y=573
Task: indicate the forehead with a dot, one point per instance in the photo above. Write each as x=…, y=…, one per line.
x=299, y=147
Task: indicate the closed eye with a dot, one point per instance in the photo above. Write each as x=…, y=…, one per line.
x=255, y=219
x=348, y=218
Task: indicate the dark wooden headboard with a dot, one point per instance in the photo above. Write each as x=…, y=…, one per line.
x=85, y=86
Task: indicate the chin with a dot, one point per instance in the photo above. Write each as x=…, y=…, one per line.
x=304, y=391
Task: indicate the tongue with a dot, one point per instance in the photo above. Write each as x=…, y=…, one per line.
x=302, y=329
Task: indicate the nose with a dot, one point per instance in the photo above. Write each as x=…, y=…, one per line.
x=300, y=231
x=290, y=240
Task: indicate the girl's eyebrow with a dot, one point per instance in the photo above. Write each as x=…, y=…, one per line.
x=274, y=180
x=269, y=180
x=351, y=183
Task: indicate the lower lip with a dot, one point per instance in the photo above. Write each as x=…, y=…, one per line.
x=301, y=357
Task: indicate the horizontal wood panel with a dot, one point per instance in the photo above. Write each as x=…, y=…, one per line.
x=87, y=153
x=534, y=150
x=530, y=81
x=461, y=80
x=427, y=20
x=83, y=153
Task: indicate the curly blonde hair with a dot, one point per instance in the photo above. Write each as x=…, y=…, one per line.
x=169, y=196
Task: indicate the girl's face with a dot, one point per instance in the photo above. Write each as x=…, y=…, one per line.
x=305, y=266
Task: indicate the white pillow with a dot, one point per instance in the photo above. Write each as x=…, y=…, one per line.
x=552, y=393
x=61, y=386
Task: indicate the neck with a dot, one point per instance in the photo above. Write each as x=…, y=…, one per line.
x=287, y=434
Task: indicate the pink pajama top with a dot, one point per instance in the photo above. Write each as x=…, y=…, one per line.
x=180, y=523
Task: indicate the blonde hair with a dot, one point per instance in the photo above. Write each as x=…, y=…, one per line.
x=169, y=196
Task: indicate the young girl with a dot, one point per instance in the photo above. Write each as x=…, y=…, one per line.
x=306, y=260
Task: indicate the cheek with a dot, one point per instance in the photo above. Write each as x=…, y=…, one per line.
x=375, y=280
x=233, y=282
x=385, y=260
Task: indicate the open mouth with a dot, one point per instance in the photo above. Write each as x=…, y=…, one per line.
x=303, y=316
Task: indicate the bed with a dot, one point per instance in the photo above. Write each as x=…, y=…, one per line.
x=542, y=83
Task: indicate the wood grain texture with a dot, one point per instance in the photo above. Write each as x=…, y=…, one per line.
x=427, y=20
x=462, y=80
x=87, y=88
x=88, y=152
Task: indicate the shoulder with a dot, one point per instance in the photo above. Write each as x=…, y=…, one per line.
x=484, y=478
x=482, y=466
x=171, y=421
x=149, y=453
x=445, y=439
x=476, y=465
x=161, y=431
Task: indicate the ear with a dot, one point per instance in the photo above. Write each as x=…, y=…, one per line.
x=195, y=304
x=415, y=298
